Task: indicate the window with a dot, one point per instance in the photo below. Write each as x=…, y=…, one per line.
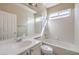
x=38, y=19
x=60, y=14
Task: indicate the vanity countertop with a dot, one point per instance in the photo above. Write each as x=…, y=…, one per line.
x=13, y=48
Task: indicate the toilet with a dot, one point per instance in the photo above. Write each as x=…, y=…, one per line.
x=46, y=50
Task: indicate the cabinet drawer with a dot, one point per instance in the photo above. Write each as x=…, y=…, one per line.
x=36, y=50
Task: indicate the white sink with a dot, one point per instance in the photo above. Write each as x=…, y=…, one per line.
x=23, y=43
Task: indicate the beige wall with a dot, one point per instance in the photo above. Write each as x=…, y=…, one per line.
x=77, y=24
x=63, y=28
x=60, y=7
x=22, y=16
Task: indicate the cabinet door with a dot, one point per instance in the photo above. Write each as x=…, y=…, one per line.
x=36, y=50
x=25, y=53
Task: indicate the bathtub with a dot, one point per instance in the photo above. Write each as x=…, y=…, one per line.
x=62, y=48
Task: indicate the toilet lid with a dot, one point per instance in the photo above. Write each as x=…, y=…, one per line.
x=47, y=48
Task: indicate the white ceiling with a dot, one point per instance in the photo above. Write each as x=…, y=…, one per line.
x=48, y=5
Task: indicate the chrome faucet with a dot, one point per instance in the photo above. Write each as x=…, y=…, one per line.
x=19, y=39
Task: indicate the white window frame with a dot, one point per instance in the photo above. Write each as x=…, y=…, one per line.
x=60, y=14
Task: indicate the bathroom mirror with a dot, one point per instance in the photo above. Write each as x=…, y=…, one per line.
x=27, y=22
x=38, y=24
x=32, y=27
x=34, y=23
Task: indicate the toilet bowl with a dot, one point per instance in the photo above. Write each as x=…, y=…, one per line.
x=46, y=50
